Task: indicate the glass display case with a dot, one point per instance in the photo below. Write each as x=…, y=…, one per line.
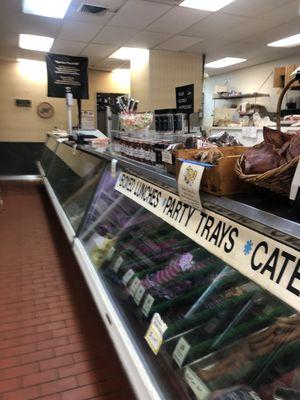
x=73, y=176
x=48, y=153
x=225, y=337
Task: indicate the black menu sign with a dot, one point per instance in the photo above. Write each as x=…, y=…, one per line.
x=67, y=72
x=185, y=99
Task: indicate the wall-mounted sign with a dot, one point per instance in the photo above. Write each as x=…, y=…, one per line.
x=67, y=72
x=23, y=103
x=271, y=264
x=185, y=99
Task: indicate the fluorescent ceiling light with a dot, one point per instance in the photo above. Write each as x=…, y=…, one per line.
x=46, y=8
x=290, y=41
x=225, y=62
x=33, y=42
x=207, y=5
x=129, y=53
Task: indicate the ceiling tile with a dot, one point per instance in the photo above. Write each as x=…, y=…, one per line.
x=9, y=39
x=208, y=45
x=177, y=19
x=178, y=43
x=114, y=35
x=214, y=25
x=284, y=14
x=247, y=28
x=110, y=64
x=80, y=31
x=13, y=5
x=67, y=47
x=271, y=35
x=148, y=40
x=137, y=14
x=98, y=50
x=252, y=8
x=30, y=24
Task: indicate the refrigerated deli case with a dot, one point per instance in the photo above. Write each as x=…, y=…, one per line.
x=200, y=305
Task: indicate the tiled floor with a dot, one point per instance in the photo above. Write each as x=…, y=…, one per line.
x=53, y=344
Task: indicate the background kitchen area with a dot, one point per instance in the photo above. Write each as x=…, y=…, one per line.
x=149, y=199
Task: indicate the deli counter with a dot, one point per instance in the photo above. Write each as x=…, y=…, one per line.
x=199, y=304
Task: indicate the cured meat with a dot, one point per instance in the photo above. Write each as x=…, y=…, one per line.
x=261, y=158
x=294, y=147
x=277, y=149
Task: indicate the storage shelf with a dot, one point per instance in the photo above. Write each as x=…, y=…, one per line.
x=295, y=111
x=242, y=96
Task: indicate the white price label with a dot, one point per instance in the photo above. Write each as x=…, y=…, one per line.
x=198, y=387
x=129, y=275
x=189, y=182
x=117, y=264
x=111, y=253
x=181, y=351
x=295, y=183
x=148, y=303
x=249, y=132
x=139, y=295
x=114, y=163
x=134, y=286
x=167, y=157
x=155, y=333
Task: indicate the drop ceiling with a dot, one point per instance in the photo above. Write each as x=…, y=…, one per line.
x=241, y=29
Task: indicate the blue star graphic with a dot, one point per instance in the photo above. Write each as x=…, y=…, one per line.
x=248, y=247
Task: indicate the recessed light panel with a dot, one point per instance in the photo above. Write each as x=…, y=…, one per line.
x=34, y=42
x=46, y=8
x=291, y=41
x=225, y=62
x=207, y=5
x=129, y=53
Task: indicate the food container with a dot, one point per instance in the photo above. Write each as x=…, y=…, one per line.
x=137, y=124
x=221, y=179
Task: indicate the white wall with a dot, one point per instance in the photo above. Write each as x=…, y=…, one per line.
x=246, y=80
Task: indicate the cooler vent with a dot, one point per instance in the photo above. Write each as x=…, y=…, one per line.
x=90, y=9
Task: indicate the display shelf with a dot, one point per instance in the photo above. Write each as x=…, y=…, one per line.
x=295, y=111
x=241, y=96
x=219, y=296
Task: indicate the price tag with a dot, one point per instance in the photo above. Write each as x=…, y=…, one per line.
x=295, y=183
x=189, y=182
x=114, y=168
x=249, y=132
x=111, y=253
x=155, y=333
x=117, y=264
x=167, y=157
x=148, y=303
x=134, y=286
x=139, y=295
x=198, y=387
x=181, y=351
x=126, y=278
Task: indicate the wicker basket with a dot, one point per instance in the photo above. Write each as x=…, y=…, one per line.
x=278, y=180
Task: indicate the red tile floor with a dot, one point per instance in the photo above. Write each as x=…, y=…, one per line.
x=53, y=344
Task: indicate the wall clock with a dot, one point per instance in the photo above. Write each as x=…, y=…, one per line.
x=45, y=110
